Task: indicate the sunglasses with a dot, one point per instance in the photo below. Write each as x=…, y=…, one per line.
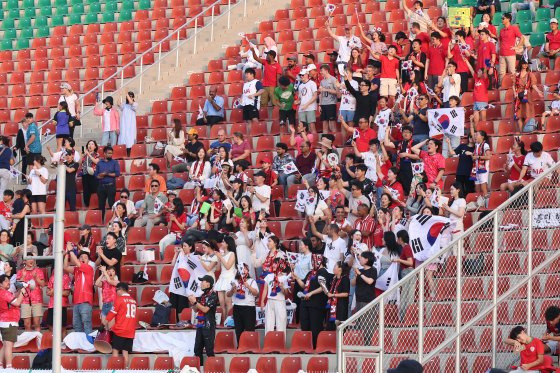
x=125, y=196
x=154, y=185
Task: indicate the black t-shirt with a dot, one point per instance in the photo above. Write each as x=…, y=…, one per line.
x=210, y=316
x=342, y=303
x=465, y=165
x=71, y=176
x=113, y=254
x=193, y=148
x=345, y=175
x=364, y=291
x=317, y=300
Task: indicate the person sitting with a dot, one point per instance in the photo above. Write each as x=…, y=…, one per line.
x=150, y=213
x=213, y=110
x=531, y=350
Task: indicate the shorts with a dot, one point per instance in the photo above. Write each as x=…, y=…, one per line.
x=106, y=308
x=31, y=310
x=388, y=87
x=9, y=334
x=62, y=136
x=40, y=198
x=328, y=112
x=267, y=95
x=347, y=115
x=50, y=317
x=479, y=106
x=553, y=345
x=481, y=178
x=307, y=116
x=288, y=116
x=250, y=112
x=121, y=343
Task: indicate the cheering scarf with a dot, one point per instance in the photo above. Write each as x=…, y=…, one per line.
x=273, y=265
x=201, y=316
x=316, y=261
x=331, y=304
x=240, y=294
x=521, y=88
x=198, y=169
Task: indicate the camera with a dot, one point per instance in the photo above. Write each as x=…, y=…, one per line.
x=20, y=285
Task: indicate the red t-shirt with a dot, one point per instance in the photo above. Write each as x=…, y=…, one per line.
x=295, y=71
x=531, y=352
x=492, y=30
x=8, y=312
x=484, y=52
x=35, y=295
x=432, y=165
x=362, y=142
x=5, y=209
x=405, y=254
x=181, y=219
x=378, y=235
x=458, y=58
x=480, y=93
x=365, y=225
x=271, y=72
x=445, y=41
x=83, y=284
x=396, y=191
x=514, y=173
x=425, y=39
x=384, y=170
x=389, y=67
x=507, y=40
x=124, y=311
x=553, y=40
x=436, y=55
x=66, y=285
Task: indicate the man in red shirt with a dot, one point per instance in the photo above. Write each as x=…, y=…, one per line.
x=361, y=135
x=124, y=327
x=508, y=36
x=531, y=351
x=292, y=70
x=271, y=178
x=486, y=51
x=9, y=319
x=552, y=45
x=480, y=93
x=422, y=36
x=457, y=51
x=365, y=225
x=435, y=60
x=272, y=70
x=389, y=71
x=6, y=209
x=83, y=290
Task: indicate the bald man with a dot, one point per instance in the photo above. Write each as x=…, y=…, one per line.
x=213, y=110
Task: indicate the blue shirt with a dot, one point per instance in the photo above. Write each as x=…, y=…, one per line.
x=35, y=146
x=62, y=119
x=5, y=157
x=107, y=167
x=209, y=109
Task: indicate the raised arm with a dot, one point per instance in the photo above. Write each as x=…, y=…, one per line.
x=416, y=149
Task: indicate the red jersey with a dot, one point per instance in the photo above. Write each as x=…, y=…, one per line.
x=362, y=142
x=458, y=57
x=436, y=55
x=507, y=40
x=484, y=52
x=83, y=284
x=5, y=209
x=425, y=39
x=182, y=220
x=8, y=312
x=445, y=41
x=514, y=173
x=34, y=296
x=405, y=254
x=378, y=235
x=66, y=285
x=124, y=311
x=397, y=192
x=480, y=93
x=553, y=40
x=432, y=165
x=389, y=67
x=295, y=71
x=531, y=352
x=366, y=225
x=271, y=72
x=384, y=170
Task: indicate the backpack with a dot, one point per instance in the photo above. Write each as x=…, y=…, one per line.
x=43, y=360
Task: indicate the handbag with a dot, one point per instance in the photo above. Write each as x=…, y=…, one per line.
x=89, y=170
x=474, y=266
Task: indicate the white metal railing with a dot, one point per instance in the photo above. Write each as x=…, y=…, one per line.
x=157, y=49
x=497, y=241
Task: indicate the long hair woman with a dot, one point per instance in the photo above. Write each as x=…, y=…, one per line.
x=177, y=225
x=243, y=293
x=180, y=259
x=301, y=268
x=339, y=295
x=226, y=259
x=175, y=142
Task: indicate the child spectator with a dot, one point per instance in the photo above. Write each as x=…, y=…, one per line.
x=107, y=282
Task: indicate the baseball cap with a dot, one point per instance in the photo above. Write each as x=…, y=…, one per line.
x=407, y=366
x=311, y=66
x=192, y=131
x=333, y=53
x=65, y=86
x=171, y=191
x=309, y=55
x=272, y=53
x=292, y=58
x=266, y=159
x=209, y=279
x=553, y=20
x=303, y=72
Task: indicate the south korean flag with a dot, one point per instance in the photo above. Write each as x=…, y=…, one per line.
x=425, y=235
x=382, y=121
x=450, y=122
x=389, y=278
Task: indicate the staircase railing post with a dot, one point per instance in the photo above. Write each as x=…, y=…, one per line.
x=212, y=26
x=159, y=63
x=459, y=296
x=229, y=14
x=421, y=315
x=177, y=48
x=244, y=8
x=141, y=74
x=195, y=34
x=530, y=260
x=495, y=288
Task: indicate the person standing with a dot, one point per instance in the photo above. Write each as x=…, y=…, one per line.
x=507, y=41
x=6, y=161
x=205, y=308
x=71, y=169
x=71, y=99
x=366, y=276
x=338, y=295
x=32, y=139
x=127, y=132
x=327, y=99
x=109, y=255
x=307, y=100
x=38, y=179
x=110, y=121
x=61, y=121
x=32, y=307
x=124, y=327
x=89, y=164
x=9, y=319
x=83, y=291
x=244, y=290
x=106, y=173
x=272, y=70
x=20, y=145
x=250, y=99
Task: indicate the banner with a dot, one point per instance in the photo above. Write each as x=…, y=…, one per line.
x=184, y=278
x=425, y=234
x=388, y=279
x=546, y=218
x=446, y=121
x=459, y=17
x=382, y=121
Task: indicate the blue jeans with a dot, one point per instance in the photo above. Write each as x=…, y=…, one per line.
x=522, y=6
x=282, y=178
x=109, y=137
x=81, y=318
x=419, y=138
x=106, y=308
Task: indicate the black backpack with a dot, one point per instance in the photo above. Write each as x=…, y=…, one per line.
x=43, y=360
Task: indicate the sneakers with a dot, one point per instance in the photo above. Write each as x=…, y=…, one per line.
x=90, y=339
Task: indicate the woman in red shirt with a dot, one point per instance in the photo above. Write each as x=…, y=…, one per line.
x=514, y=164
x=177, y=225
x=356, y=62
x=9, y=318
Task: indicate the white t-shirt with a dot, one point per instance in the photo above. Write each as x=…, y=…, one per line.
x=451, y=89
x=269, y=280
x=36, y=185
x=208, y=260
x=250, y=88
x=360, y=248
x=538, y=165
x=334, y=251
x=106, y=120
x=306, y=91
x=316, y=210
x=249, y=299
x=371, y=162
x=263, y=191
x=457, y=204
x=484, y=150
x=347, y=100
x=71, y=101
x=345, y=46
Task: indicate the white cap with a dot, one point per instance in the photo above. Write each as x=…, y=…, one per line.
x=65, y=86
x=483, y=24
x=311, y=66
x=553, y=20
x=303, y=72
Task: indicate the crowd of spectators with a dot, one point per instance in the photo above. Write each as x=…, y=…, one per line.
x=358, y=203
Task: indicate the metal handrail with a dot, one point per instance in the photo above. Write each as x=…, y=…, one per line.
x=158, y=45
x=421, y=268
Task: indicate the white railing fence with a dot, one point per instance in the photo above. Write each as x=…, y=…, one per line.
x=453, y=306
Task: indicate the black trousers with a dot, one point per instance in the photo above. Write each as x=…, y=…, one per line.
x=24, y=161
x=72, y=132
x=297, y=301
x=71, y=199
x=405, y=176
x=89, y=183
x=312, y=319
x=204, y=340
x=466, y=183
x=106, y=193
x=244, y=318
x=464, y=81
x=210, y=120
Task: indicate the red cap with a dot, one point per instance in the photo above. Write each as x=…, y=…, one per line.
x=266, y=159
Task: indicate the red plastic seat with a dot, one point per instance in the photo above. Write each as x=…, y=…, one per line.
x=326, y=342
x=191, y=361
x=318, y=364
x=215, y=364
x=274, y=342
x=239, y=364
x=115, y=363
x=249, y=342
x=140, y=363
x=93, y=218
x=91, y=363
x=69, y=362
x=164, y=363
x=215, y=65
x=224, y=342
x=266, y=364
x=290, y=364
x=302, y=342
